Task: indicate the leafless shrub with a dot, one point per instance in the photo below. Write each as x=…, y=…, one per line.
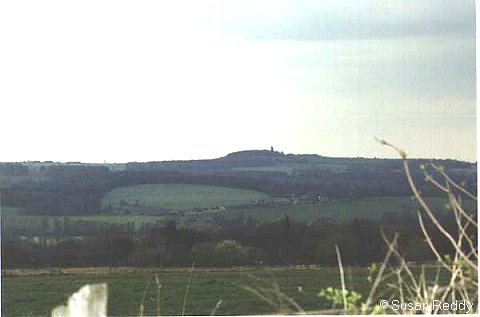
x=461, y=267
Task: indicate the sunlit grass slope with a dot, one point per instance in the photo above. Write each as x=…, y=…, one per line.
x=179, y=196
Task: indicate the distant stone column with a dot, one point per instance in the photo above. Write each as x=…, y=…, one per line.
x=89, y=301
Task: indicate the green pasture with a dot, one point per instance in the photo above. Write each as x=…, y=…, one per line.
x=11, y=217
x=178, y=197
x=341, y=210
x=37, y=295
x=338, y=211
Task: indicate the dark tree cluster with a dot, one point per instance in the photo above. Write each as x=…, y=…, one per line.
x=240, y=242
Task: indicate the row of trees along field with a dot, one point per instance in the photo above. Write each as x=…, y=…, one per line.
x=240, y=242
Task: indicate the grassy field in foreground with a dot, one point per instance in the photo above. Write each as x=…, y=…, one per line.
x=179, y=196
x=36, y=295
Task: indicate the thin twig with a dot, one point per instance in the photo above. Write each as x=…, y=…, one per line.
x=425, y=207
x=142, y=307
x=460, y=188
x=219, y=303
x=187, y=289
x=378, y=279
x=342, y=278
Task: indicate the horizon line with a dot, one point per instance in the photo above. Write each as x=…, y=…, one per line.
x=203, y=159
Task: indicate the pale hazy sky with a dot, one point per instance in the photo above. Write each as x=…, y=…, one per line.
x=158, y=80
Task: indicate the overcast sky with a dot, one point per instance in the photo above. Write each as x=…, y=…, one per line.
x=122, y=81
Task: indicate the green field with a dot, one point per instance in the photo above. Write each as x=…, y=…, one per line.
x=11, y=217
x=342, y=210
x=36, y=295
x=338, y=211
x=178, y=196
